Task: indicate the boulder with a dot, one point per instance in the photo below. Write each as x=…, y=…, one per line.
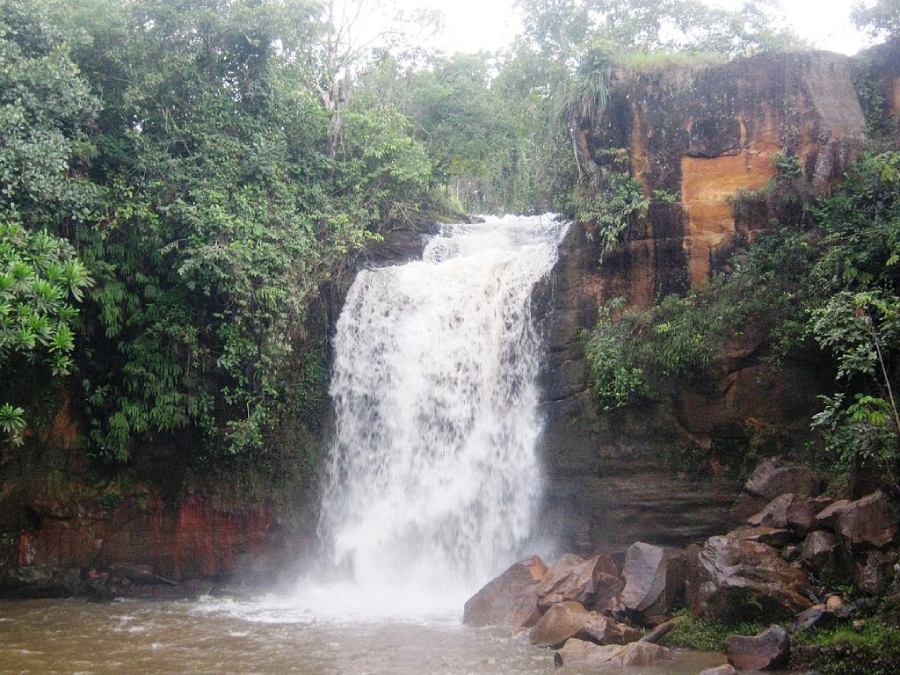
x=586, y=654
x=766, y=651
x=654, y=580
x=820, y=551
x=577, y=580
x=737, y=579
x=870, y=522
x=787, y=511
x=566, y=620
x=828, y=517
x=641, y=655
x=726, y=669
x=509, y=600
x=583, y=653
x=769, y=480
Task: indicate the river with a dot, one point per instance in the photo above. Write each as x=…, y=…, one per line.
x=225, y=637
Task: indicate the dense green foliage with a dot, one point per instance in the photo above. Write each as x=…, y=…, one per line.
x=186, y=152
x=826, y=282
x=872, y=648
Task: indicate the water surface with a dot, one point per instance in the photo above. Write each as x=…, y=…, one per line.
x=224, y=637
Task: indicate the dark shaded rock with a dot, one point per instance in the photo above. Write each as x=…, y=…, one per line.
x=870, y=522
x=770, y=536
x=817, y=616
x=792, y=553
x=736, y=579
x=771, y=481
x=572, y=578
x=862, y=607
x=766, y=651
x=873, y=573
x=135, y=573
x=828, y=517
x=745, y=506
x=654, y=580
x=608, y=588
x=787, y=511
x=566, y=620
x=820, y=552
x=509, y=600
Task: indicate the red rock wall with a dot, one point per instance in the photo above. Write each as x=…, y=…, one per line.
x=704, y=133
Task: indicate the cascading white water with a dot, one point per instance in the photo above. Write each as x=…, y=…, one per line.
x=433, y=476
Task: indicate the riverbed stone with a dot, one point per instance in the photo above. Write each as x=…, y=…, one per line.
x=766, y=651
x=726, y=669
x=637, y=654
x=583, y=653
x=510, y=600
x=565, y=620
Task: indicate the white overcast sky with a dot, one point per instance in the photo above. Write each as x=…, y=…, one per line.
x=473, y=25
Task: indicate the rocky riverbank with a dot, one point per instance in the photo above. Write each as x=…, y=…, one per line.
x=797, y=562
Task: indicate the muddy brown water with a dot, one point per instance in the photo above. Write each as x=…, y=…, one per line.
x=222, y=637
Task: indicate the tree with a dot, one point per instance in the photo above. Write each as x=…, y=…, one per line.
x=45, y=107
x=562, y=27
x=880, y=20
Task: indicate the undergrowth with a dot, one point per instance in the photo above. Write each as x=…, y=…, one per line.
x=705, y=635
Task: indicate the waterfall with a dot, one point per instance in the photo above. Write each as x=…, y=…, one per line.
x=433, y=479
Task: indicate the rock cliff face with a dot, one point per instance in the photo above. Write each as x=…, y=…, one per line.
x=705, y=134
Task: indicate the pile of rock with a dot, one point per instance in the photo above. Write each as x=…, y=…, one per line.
x=786, y=536
x=587, y=609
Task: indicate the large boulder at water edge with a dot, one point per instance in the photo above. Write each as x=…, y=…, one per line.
x=870, y=522
x=578, y=580
x=509, y=600
x=569, y=619
x=766, y=651
x=586, y=654
x=735, y=578
x=654, y=581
